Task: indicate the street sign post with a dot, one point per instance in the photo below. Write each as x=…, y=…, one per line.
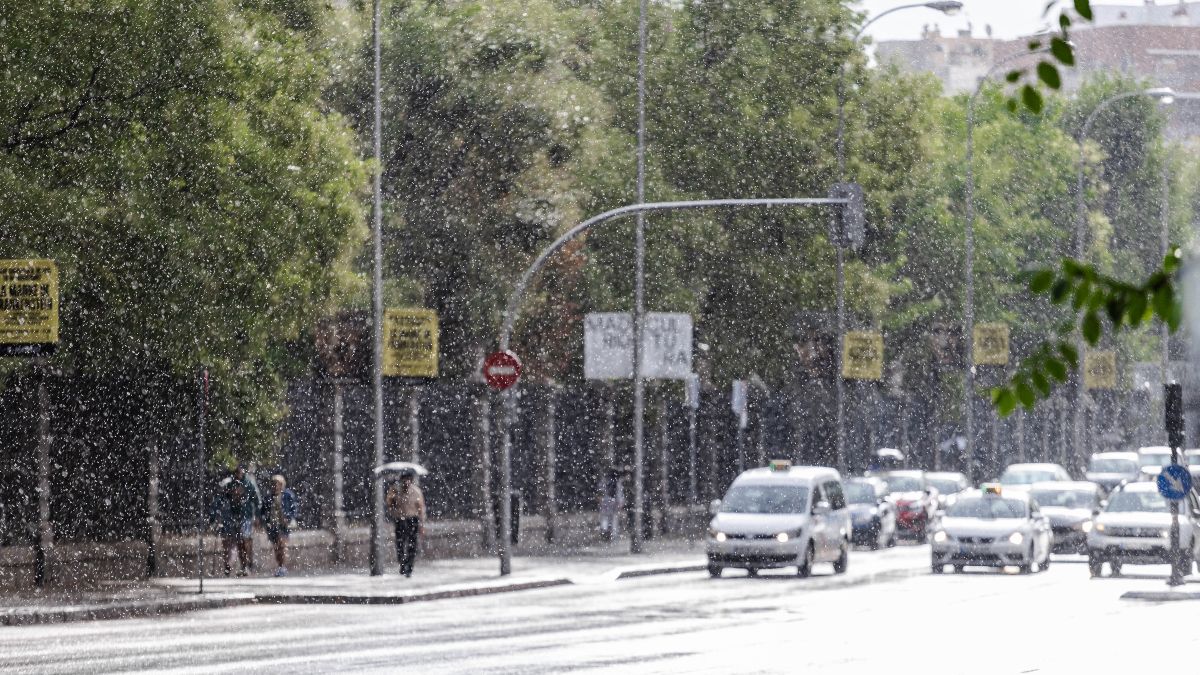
x=1100, y=370
x=862, y=356
x=410, y=343
x=990, y=344
x=1175, y=481
x=738, y=403
x=608, y=346
x=501, y=370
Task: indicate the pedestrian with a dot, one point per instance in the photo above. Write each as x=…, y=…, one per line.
x=245, y=505
x=278, y=519
x=406, y=507
x=611, y=501
x=221, y=515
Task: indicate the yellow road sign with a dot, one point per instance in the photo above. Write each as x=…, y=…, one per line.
x=991, y=344
x=410, y=343
x=1100, y=370
x=862, y=356
x=28, y=307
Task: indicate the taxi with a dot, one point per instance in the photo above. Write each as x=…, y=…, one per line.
x=991, y=528
x=780, y=516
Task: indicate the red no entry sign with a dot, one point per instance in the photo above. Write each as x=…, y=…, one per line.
x=501, y=370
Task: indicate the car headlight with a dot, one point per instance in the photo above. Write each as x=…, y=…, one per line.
x=782, y=537
x=1166, y=533
x=940, y=536
x=1016, y=538
x=1086, y=526
x=874, y=510
x=1099, y=527
x=719, y=536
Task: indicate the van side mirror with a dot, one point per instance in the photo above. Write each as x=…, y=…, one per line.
x=1095, y=513
x=714, y=506
x=821, y=508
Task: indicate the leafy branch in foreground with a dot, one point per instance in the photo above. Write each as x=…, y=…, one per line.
x=1061, y=52
x=1094, y=298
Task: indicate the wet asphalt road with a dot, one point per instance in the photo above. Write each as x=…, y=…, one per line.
x=886, y=614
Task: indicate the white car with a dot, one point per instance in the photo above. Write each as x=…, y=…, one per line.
x=780, y=516
x=1135, y=527
x=1154, y=458
x=1024, y=475
x=1069, y=506
x=1110, y=469
x=991, y=529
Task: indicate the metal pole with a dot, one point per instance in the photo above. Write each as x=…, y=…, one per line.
x=1165, y=241
x=200, y=453
x=375, y=554
x=841, y=347
x=504, y=537
x=693, y=494
x=639, y=293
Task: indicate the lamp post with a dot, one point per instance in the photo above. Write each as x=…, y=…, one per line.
x=1164, y=95
x=375, y=557
x=948, y=7
x=969, y=265
x=639, y=298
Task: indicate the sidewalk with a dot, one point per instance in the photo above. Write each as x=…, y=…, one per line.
x=432, y=580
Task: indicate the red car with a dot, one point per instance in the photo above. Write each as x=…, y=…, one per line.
x=915, y=499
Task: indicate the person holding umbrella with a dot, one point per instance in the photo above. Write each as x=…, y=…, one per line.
x=406, y=507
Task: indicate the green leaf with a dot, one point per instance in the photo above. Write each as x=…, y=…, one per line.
x=1091, y=327
x=1082, y=292
x=1025, y=394
x=1013, y=76
x=1174, y=317
x=1084, y=9
x=1164, y=299
x=1069, y=353
x=1115, y=307
x=1011, y=104
x=1056, y=368
x=1135, y=310
x=1048, y=74
x=1034, y=45
x=1060, y=291
x=1040, y=381
x=1064, y=21
x=1172, y=260
x=1063, y=51
x=1041, y=280
x=1004, y=400
x=1032, y=99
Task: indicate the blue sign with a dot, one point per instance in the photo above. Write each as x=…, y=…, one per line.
x=1174, y=482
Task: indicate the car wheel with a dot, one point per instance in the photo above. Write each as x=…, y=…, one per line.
x=804, y=569
x=752, y=571
x=714, y=571
x=891, y=542
x=937, y=569
x=1116, y=568
x=843, y=561
x=877, y=539
x=1045, y=564
x=958, y=569
x=1184, y=567
x=1095, y=565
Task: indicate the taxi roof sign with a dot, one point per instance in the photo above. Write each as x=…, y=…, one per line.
x=992, y=489
x=780, y=464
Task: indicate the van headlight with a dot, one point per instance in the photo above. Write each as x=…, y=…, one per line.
x=782, y=537
x=1016, y=538
x=940, y=536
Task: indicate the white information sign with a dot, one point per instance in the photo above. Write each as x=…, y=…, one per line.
x=608, y=346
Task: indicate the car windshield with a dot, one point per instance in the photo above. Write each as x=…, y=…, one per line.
x=1155, y=458
x=987, y=507
x=765, y=499
x=1131, y=502
x=1070, y=499
x=904, y=484
x=1113, y=466
x=860, y=493
x=1027, y=476
x=945, y=485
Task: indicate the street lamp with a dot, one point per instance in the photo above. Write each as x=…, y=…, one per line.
x=969, y=264
x=375, y=505
x=948, y=7
x=1165, y=96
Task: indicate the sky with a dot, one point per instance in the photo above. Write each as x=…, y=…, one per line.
x=1008, y=18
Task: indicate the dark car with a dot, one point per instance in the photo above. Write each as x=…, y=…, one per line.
x=948, y=485
x=872, y=516
x=1069, y=506
x=915, y=499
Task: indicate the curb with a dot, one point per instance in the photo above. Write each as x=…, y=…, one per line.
x=287, y=599
x=1159, y=596
x=119, y=610
x=677, y=569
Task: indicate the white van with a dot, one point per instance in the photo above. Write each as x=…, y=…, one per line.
x=780, y=516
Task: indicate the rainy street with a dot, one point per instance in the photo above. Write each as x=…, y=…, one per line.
x=978, y=622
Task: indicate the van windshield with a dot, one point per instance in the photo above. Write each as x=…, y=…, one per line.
x=766, y=499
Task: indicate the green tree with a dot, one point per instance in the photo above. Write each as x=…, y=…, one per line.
x=177, y=161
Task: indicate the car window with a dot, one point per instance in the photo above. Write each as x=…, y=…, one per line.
x=1028, y=476
x=987, y=508
x=834, y=495
x=860, y=493
x=904, y=484
x=1066, y=498
x=1131, y=502
x=765, y=499
x=946, y=486
x=1113, y=466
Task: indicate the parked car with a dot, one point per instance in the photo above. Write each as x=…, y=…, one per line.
x=948, y=485
x=872, y=516
x=1110, y=469
x=1069, y=506
x=1135, y=526
x=780, y=516
x=915, y=500
x=1193, y=462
